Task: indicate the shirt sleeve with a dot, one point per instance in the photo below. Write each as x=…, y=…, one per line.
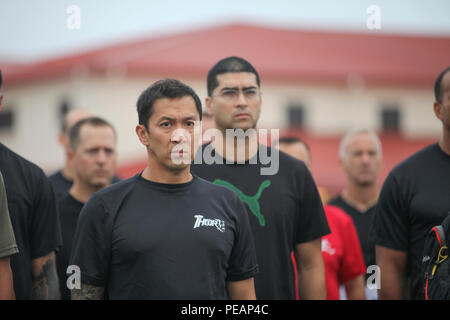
x=45, y=231
x=8, y=244
x=312, y=222
x=390, y=227
x=353, y=264
x=243, y=263
x=91, y=245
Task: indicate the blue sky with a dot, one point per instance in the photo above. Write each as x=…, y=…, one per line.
x=32, y=30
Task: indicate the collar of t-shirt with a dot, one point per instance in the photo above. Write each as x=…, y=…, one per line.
x=164, y=187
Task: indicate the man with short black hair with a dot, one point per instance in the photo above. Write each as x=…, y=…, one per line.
x=165, y=233
x=284, y=207
x=34, y=217
x=92, y=143
x=414, y=198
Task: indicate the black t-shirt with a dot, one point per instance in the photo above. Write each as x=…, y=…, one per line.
x=69, y=210
x=146, y=240
x=363, y=222
x=284, y=210
x=34, y=216
x=62, y=185
x=414, y=198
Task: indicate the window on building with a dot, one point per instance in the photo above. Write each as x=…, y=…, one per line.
x=296, y=115
x=6, y=118
x=390, y=118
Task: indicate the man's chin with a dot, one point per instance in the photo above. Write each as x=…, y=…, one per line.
x=100, y=184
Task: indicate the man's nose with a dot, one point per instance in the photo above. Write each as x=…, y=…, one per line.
x=102, y=156
x=241, y=99
x=180, y=135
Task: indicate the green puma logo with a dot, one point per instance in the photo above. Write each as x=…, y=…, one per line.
x=251, y=201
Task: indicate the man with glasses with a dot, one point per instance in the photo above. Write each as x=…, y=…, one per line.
x=284, y=208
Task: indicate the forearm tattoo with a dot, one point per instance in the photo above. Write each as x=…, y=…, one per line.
x=46, y=285
x=87, y=292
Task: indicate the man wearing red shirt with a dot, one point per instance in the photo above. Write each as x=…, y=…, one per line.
x=341, y=251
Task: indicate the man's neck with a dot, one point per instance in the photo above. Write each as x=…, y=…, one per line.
x=67, y=173
x=236, y=149
x=361, y=198
x=154, y=174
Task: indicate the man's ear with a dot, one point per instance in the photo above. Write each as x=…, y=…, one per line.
x=208, y=105
x=438, y=110
x=69, y=155
x=142, y=134
x=62, y=139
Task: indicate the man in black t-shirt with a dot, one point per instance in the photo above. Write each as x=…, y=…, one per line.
x=283, y=206
x=34, y=217
x=360, y=154
x=165, y=234
x=62, y=180
x=92, y=153
x=414, y=198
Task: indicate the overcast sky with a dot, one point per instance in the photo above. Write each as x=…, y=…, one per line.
x=38, y=29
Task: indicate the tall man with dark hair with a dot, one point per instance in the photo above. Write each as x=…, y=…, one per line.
x=284, y=207
x=165, y=234
x=92, y=143
x=414, y=198
x=34, y=217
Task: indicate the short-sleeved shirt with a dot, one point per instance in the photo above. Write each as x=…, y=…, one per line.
x=341, y=252
x=62, y=185
x=8, y=244
x=145, y=240
x=363, y=222
x=33, y=213
x=284, y=210
x=414, y=198
x=69, y=210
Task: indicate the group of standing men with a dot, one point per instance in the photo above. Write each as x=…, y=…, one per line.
x=183, y=230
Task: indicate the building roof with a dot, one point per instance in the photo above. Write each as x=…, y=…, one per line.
x=278, y=54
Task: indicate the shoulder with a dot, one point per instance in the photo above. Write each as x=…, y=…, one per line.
x=415, y=161
x=115, y=190
x=213, y=189
x=19, y=162
x=336, y=213
x=286, y=162
x=56, y=176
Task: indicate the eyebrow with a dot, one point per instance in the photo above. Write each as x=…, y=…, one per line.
x=237, y=88
x=192, y=117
